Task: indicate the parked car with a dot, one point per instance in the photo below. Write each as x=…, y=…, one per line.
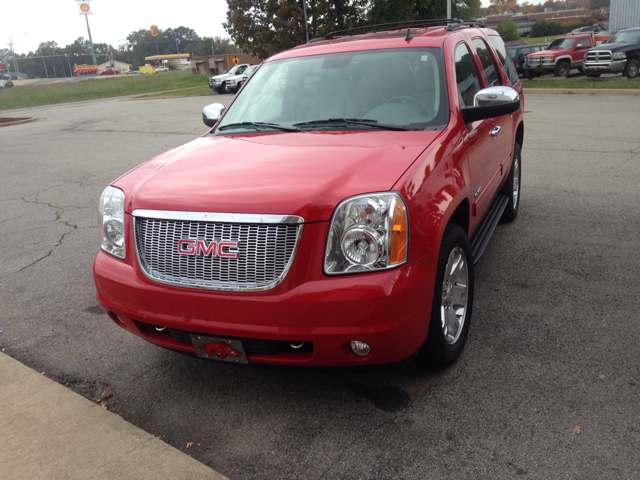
x=109, y=71
x=518, y=52
x=588, y=28
x=132, y=72
x=345, y=232
x=162, y=69
x=233, y=84
x=515, y=43
x=7, y=84
x=216, y=83
x=4, y=76
x=620, y=54
x=563, y=54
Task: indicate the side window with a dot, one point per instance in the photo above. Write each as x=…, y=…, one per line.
x=583, y=43
x=466, y=75
x=490, y=69
x=525, y=51
x=500, y=49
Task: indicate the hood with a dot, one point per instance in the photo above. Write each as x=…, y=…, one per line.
x=305, y=174
x=548, y=52
x=222, y=76
x=616, y=47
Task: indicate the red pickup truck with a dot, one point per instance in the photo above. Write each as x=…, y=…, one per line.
x=563, y=54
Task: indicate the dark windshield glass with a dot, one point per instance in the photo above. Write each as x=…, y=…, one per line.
x=559, y=43
x=625, y=37
x=403, y=87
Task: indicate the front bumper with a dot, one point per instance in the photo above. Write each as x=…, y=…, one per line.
x=615, y=66
x=388, y=310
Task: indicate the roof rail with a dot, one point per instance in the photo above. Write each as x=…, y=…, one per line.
x=392, y=26
x=468, y=23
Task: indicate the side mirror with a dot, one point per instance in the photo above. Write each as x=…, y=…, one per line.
x=212, y=113
x=492, y=102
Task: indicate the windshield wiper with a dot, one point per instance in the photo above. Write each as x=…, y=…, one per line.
x=352, y=121
x=258, y=125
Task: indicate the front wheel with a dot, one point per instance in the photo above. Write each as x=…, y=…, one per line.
x=631, y=70
x=528, y=74
x=452, y=300
x=562, y=70
x=512, y=187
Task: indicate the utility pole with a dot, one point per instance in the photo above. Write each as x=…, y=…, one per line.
x=45, y=66
x=15, y=64
x=93, y=53
x=306, y=21
x=448, y=8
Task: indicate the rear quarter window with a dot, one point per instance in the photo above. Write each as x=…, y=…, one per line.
x=507, y=63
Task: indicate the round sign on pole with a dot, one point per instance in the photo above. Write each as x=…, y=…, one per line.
x=235, y=60
x=154, y=31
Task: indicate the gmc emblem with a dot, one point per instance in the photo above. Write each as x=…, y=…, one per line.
x=222, y=249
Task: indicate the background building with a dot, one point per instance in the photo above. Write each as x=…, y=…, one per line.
x=118, y=65
x=525, y=21
x=624, y=14
x=219, y=64
x=172, y=61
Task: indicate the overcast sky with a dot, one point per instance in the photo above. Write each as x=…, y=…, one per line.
x=111, y=21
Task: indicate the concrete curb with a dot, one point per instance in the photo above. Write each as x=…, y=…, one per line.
x=50, y=432
x=18, y=122
x=581, y=91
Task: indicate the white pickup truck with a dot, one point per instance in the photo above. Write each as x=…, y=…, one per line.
x=234, y=83
x=217, y=83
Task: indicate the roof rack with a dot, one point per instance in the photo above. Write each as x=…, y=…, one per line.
x=393, y=26
x=468, y=23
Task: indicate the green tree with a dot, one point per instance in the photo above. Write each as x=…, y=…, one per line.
x=387, y=11
x=542, y=28
x=265, y=27
x=508, y=30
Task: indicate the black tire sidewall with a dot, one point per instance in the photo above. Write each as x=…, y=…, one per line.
x=511, y=212
x=436, y=350
x=628, y=68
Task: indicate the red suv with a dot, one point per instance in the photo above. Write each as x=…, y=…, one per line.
x=375, y=166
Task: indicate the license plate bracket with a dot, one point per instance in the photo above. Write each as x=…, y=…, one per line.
x=220, y=349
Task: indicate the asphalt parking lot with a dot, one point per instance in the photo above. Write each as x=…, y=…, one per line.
x=548, y=386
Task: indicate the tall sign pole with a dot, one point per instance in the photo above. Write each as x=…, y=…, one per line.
x=154, y=34
x=84, y=8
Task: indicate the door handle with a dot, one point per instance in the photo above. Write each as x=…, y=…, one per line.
x=494, y=131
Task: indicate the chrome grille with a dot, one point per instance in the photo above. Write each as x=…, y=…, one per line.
x=598, y=56
x=265, y=252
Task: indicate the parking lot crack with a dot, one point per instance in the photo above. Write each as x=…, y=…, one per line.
x=59, y=211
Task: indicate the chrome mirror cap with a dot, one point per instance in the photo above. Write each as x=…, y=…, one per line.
x=212, y=113
x=495, y=96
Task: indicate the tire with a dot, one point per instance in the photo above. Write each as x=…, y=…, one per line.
x=454, y=281
x=528, y=74
x=512, y=187
x=562, y=70
x=631, y=70
x=580, y=69
x=593, y=75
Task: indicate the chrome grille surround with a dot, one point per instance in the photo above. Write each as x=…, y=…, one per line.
x=266, y=250
x=598, y=57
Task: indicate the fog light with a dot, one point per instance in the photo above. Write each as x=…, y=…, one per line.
x=160, y=329
x=296, y=345
x=360, y=348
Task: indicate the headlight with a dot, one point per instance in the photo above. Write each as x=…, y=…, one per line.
x=548, y=59
x=367, y=232
x=619, y=56
x=111, y=214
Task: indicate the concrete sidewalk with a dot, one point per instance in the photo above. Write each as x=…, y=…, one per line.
x=48, y=431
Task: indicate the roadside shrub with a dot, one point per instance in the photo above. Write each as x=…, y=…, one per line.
x=508, y=30
x=542, y=28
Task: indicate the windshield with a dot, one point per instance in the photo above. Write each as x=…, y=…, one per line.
x=233, y=70
x=559, y=43
x=625, y=37
x=396, y=87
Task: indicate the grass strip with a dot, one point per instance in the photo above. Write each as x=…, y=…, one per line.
x=595, y=83
x=184, y=92
x=92, y=88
